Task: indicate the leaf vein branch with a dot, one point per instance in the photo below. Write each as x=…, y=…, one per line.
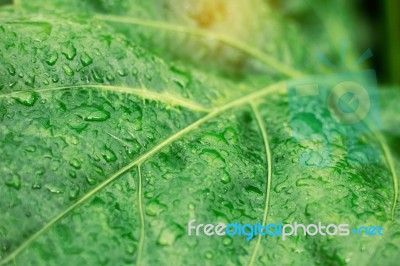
x=141, y=213
x=267, y=148
x=162, y=97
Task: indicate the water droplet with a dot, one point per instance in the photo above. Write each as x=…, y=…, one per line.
x=68, y=70
x=90, y=180
x=231, y=135
x=54, y=189
x=73, y=194
x=72, y=174
x=148, y=195
x=182, y=78
x=27, y=98
x=131, y=249
x=36, y=186
x=225, y=177
x=86, y=59
x=208, y=255
x=30, y=81
x=152, y=209
x=314, y=159
x=305, y=125
x=74, y=140
x=213, y=158
x=55, y=78
x=227, y=241
x=109, y=77
x=213, y=139
x=11, y=70
x=92, y=113
x=69, y=51
x=52, y=59
x=75, y=164
x=14, y=181
x=123, y=72
x=12, y=83
x=109, y=155
x=166, y=238
x=30, y=148
x=251, y=188
x=97, y=76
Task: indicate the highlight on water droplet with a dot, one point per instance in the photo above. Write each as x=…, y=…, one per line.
x=86, y=59
x=27, y=98
x=52, y=58
x=68, y=50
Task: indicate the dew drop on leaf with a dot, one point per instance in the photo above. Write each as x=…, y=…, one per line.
x=123, y=72
x=72, y=174
x=74, y=193
x=27, y=98
x=30, y=81
x=109, y=155
x=148, y=77
x=36, y=186
x=11, y=70
x=148, y=195
x=68, y=50
x=30, y=148
x=208, y=255
x=110, y=77
x=92, y=113
x=231, y=135
x=213, y=157
x=97, y=75
x=54, y=189
x=14, y=181
x=166, y=237
x=314, y=159
x=75, y=164
x=225, y=178
x=90, y=180
x=86, y=59
x=227, y=241
x=52, y=59
x=152, y=209
x=68, y=70
x=55, y=78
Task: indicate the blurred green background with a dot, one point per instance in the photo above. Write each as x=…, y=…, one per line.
x=373, y=24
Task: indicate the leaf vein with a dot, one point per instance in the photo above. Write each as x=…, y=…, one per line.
x=267, y=148
x=162, y=97
x=140, y=202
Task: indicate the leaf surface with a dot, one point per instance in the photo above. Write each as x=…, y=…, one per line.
x=108, y=150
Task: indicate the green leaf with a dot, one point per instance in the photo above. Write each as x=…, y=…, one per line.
x=108, y=151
